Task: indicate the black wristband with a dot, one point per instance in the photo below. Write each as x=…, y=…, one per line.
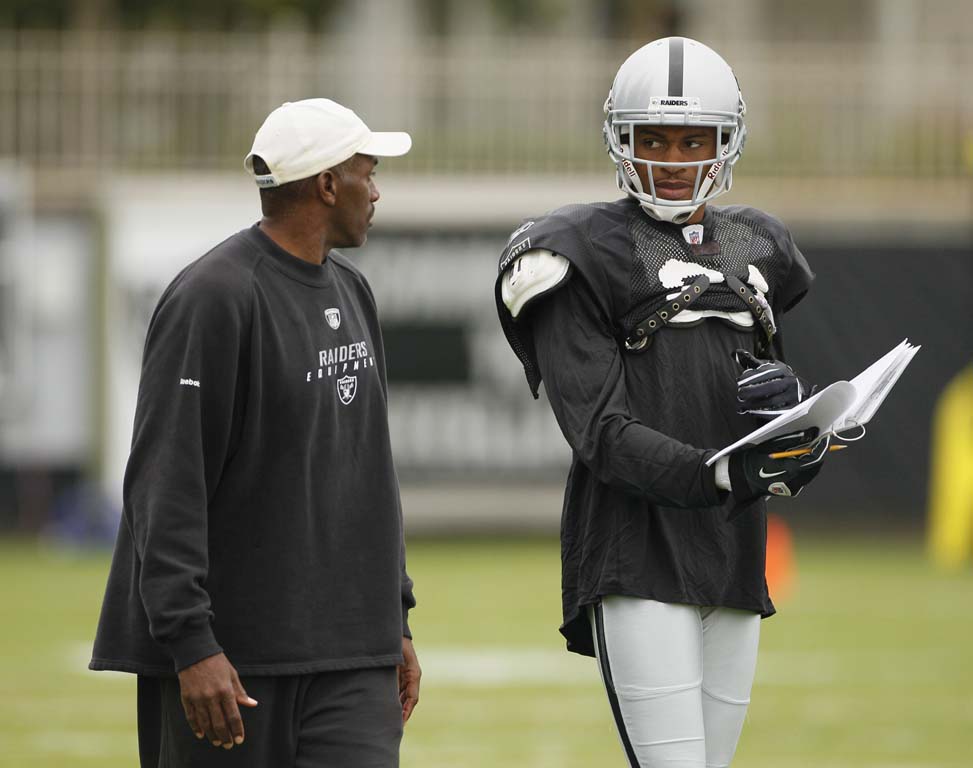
x=740, y=487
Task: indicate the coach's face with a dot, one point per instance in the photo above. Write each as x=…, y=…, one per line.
x=355, y=198
x=673, y=144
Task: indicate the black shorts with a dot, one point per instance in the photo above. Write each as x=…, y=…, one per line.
x=347, y=719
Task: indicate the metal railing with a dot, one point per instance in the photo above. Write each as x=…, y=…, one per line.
x=90, y=102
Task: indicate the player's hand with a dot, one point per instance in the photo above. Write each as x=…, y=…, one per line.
x=211, y=694
x=409, y=675
x=754, y=474
x=766, y=386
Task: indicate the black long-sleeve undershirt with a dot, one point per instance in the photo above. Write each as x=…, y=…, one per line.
x=581, y=364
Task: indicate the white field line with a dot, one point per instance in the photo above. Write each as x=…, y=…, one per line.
x=77, y=657
x=505, y=667
x=482, y=666
x=508, y=666
x=83, y=743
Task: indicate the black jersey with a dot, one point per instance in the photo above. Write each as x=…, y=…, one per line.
x=642, y=515
x=261, y=506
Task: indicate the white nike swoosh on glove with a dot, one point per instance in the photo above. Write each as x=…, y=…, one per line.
x=771, y=474
x=759, y=375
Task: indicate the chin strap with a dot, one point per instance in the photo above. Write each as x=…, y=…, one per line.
x=673, y=215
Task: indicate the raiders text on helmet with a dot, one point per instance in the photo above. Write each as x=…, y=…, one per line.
x=675, y=81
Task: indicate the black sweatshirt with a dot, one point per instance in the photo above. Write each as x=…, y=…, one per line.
x=261, y=506
x=642, y=514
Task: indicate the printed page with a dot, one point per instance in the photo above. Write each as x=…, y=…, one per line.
x=874, y=384
x=840, y=406
x=821, y=411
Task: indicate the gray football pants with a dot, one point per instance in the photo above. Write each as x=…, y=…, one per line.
x=346, y=719
x=678, y=678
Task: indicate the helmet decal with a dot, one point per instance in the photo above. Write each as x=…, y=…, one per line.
x=714, y=171
x=675, y=66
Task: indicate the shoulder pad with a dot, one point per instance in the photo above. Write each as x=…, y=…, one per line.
x=555, y=231
x=530, y=275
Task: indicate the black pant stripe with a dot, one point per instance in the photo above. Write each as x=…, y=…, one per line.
x=610, y=687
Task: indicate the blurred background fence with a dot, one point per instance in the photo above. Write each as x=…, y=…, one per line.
x=123, y=126
x=95, y=101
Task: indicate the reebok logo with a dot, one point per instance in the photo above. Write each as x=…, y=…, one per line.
x=188, y=383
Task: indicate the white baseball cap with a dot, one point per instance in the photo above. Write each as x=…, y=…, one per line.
x=303, y=138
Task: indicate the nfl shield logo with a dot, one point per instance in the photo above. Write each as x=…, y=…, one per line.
x=693, y=234
x=347, y=387
x=333, y=316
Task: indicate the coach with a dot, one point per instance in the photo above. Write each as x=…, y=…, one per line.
x=260, y=557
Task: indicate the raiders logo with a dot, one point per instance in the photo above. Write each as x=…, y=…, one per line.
x=347, y=387
x=333, y=316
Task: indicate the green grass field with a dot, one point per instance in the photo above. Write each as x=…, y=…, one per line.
x=869, y=664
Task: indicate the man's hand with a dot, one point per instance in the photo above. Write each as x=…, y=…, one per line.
x=211, y=692
x=409, y=674
x=754, y=474
x=768, y=386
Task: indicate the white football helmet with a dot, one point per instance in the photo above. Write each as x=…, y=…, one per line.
x=675, y=81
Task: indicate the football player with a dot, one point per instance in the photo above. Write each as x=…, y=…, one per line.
x=655, y=323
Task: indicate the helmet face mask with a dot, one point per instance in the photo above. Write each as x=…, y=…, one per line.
x=648, y=91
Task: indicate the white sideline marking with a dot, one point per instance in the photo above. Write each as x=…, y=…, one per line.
x=77, y=658
x=824, y=668
x=506, y=667
x=510, y=666
x=478, y=666
x=82, y=744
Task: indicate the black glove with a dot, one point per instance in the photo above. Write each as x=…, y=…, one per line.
x=767, y=386
x=754, y=474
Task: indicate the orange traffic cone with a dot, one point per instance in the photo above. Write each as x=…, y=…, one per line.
x=781, y=566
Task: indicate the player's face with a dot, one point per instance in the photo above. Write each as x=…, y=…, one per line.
x=356, y=198
x=673, y=144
